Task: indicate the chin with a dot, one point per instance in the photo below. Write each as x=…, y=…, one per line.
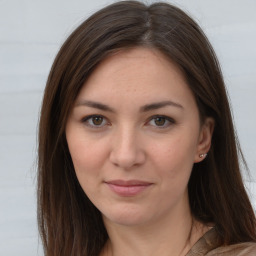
x=127, y=216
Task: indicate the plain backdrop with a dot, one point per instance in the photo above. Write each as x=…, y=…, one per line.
x=31, y=32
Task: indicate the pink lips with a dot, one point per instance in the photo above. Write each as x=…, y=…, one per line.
x=127, y=188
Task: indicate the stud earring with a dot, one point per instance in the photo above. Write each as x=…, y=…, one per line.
x=203, y=155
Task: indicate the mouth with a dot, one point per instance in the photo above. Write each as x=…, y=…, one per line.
x=128, y=188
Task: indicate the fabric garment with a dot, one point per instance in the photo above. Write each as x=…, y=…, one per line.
x=207, y=246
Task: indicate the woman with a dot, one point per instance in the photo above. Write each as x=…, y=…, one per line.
x=137, y=150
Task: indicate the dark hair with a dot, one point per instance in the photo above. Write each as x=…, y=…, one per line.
x=69, y=223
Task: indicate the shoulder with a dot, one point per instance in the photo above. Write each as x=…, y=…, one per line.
x=242, y=249
x=208, y=245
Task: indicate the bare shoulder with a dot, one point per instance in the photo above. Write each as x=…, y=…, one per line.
x=242, y=249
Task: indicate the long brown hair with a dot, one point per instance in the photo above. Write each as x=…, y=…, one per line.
x=69, y=223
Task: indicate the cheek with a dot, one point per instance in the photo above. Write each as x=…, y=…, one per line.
x=176, y=149
x=174, y=159
x=87, y=155
x=88, y=160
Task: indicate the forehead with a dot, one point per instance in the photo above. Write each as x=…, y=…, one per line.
x=140, y=74
x=136, y=62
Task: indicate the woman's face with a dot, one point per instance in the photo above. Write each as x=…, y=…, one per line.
x=134, y=134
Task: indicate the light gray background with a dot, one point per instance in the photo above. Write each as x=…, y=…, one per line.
x=31, y=32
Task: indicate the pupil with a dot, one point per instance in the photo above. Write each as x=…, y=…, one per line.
x=97, y=120
x=160, y=121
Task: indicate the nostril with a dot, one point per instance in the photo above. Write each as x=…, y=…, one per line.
x=126, y=159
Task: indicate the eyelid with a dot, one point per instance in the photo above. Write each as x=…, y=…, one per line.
x=169, y=119
x=87, y=118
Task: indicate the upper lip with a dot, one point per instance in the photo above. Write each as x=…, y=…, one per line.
x=127, y=183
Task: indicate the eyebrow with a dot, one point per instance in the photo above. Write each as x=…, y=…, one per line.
x=145, y=108
x=158, y=105
x=94, y=104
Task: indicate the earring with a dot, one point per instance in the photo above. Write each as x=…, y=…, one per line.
x=203, y=155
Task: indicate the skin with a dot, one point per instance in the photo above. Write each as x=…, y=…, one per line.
x=132, y=138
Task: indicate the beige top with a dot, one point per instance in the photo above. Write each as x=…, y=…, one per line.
x=207, y=246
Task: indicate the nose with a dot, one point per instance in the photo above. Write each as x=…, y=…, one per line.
x=127, y=150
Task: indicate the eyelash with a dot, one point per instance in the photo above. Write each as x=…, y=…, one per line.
x=89, y=118
x=166, y=119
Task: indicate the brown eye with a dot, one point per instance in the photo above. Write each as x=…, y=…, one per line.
x=160, y=121
x=95, y=121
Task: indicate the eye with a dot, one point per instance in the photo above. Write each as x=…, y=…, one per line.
x=95, y=121
x=161, y=121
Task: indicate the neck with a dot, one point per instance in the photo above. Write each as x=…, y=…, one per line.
x=168, y=236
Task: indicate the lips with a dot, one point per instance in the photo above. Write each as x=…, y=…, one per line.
x=128, y=188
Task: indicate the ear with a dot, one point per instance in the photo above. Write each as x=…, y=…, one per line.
x=204, y=139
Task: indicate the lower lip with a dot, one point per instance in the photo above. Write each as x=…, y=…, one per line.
x=127, y=191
